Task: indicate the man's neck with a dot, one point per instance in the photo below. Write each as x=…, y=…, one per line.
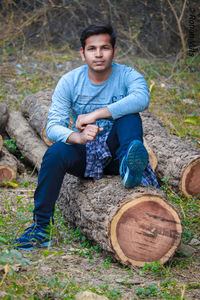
x=99, y=77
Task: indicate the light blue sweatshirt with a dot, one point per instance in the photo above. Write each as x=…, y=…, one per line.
x=124, y=92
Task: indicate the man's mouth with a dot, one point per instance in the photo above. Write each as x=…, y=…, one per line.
x=99, y=62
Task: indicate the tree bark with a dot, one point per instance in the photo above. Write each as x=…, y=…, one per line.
x=135, y=226
x=8, y=166
x=3, y=116
x=178, y=160
x=30, y=145
x=35, y=108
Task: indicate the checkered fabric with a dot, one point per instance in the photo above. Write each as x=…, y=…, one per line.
x=98, y=156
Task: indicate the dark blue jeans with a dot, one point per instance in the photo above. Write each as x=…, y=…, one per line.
x=63, y=158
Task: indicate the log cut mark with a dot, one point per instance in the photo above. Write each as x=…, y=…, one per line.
x=139, y=225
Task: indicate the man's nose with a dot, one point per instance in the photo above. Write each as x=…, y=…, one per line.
x=98, y=52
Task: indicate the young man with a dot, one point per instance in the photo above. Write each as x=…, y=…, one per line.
x=104, y=100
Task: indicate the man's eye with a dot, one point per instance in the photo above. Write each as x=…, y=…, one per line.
x=92, y=48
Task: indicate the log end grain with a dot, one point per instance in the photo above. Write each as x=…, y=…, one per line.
x=190, y=180
x=144, y=230
x=7, y=173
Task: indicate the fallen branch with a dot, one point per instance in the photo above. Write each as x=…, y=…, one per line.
x=29, y=144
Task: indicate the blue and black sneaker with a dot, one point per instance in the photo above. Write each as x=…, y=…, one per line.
x=34, y=237
x=133, y=164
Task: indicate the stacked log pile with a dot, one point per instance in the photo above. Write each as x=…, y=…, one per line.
x=137, y=225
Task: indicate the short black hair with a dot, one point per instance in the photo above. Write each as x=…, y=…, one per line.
x=98, y=29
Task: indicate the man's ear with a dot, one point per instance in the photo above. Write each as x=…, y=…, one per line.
x=114, y=52
x=82, y=54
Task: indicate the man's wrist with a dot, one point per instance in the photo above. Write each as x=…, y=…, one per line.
x=101, y=113
x=74, y=138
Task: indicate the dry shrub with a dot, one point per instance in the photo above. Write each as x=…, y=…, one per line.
x=147, y=26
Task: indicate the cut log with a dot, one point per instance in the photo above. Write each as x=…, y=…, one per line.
x=35, y=108
x=3, y=116
x=136, y=226
x=8, y=166
x=178, y=160
x=29, y=144
x=1, y=142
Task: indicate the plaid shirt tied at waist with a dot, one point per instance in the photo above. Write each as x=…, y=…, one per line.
x=98, y=156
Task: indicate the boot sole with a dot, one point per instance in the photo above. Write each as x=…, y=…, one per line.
x=137, y=159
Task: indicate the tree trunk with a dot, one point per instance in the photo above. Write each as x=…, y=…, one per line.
x=3, y=116
x=178, y=160
x=135, y=226
x=8, y=166
x=35, y=108
x=30, y=145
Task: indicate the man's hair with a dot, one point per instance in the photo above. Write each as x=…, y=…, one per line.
x=98, y=29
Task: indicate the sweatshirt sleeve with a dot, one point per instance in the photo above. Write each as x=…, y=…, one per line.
x=137, y=98
x=59, y=112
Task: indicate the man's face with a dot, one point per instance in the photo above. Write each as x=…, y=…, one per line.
x=98, y=52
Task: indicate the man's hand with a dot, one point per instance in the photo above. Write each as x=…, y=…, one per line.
x=89, y=133
x=84, y=120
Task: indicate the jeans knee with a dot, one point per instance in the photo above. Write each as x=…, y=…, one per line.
x=55, y=154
